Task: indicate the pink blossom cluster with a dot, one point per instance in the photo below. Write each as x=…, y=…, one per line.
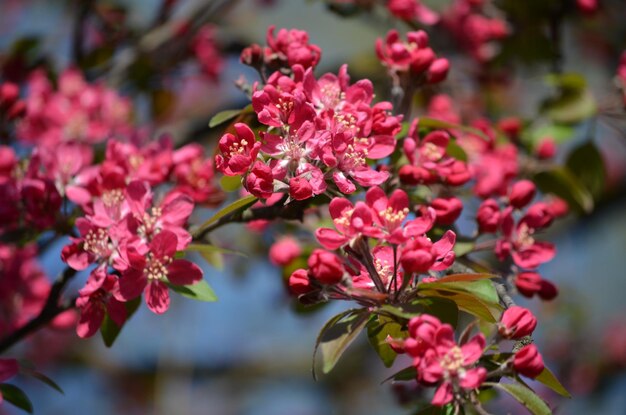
x=412, y=11
x=76, y=111
x=474, y=29
x=319, y=129
x=402, y=252
x=413, y=56
x=207, y=53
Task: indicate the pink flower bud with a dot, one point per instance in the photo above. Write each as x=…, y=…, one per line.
x=260, y=181
x=326, y=267
x=548, y=290
x=558, y=207
x=422, y=60
x=528, y=361
x=9, y=93
x=511, y=126
x=17, y=110
x=546, y=149
x=488, y=216
x=528, y=283
x=538, y=216
x=517, y=322
x=300, y=188
x=587, y=7
x=417, y=257
x=252, y=56
x=299, y=282
x=284, y=251
x=448, y=209
x=438, y=70
x=522, y=193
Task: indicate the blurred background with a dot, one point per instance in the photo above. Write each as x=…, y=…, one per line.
x=250, y=352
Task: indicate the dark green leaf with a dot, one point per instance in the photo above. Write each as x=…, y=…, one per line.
x=444, y=309
x=45, y=379
x=16, y=396
x=456, y=151
x=212, y=254
x=586, y=163
x=573, y=102
x=237, y=206
x=525, y=396
x=110, y=330
x=478, y=298
x=377, y=331
x=562, y=183
x=200, y=291
x=547, y=378
x=337, y=334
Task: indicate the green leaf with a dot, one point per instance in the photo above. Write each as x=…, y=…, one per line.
x=456, y=151
x=406, y=374
x=436, y=410
x=230, y=183
x=573, y=102
x=562, y=183
x=237, y=206
x=478, y=298
x=525, y=396
x=16, y=396
x=547, y=378
x=43, y=378
x=223, y=116
x=558, y=132
x=377, y=331
x=110, y=330
x=200, y=291
x=465, y=277
x=337, y=334
x=587, y=164
x=435, y=123
x=462, y=247
x=212, y=254
x=444, y=309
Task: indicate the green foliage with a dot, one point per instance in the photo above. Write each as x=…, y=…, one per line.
x=586, y=163
x=227, y=115
x=572, y=103
x=16, y=397
x=378, y=328
x=235, y=207
x=525, y=396
x=561, y=182
x=547, y=378
x=110, y=330
x=200, y=291
x=337, y=334
x=213, y=255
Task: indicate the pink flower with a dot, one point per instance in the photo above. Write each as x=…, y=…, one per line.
x=195, y=175
x=299, y=282
x=260, y=181
x=207, y=53
x=528, y=283
x=389, y=212
x=291, y=47
x=519, y=243
x=284, y=251
x=325, y=267
x=400, y=56
x=517, y=322
x=351, y=221
x=448, y=209
x=237, y=152
x=97, y=300
x=419, y=255
x=412, y=10
x=528, y=361
x=522, y=192
x=488, y=216
x=546, y=149
x=150, y=273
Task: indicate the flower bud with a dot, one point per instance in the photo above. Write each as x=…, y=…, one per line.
x=422, y=60
x=488, y=216
x=326, y=267
x=522, y=193
x=517, y=322
x=299, y=282
x=300, y=188
x=528, y=283
x=511, y=126
x=417, y=257
x=546, y=149
x=438, y=71
x=260, y=181
x=558, y=207
x=284, y=251
x=528, y=361
x=548, y=291
x=252, y=56
x=538, y=216
x=9, y=93
x=17, y=110
x=448, y=209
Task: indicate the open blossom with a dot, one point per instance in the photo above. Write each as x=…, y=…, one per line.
x=150, y=273
x=440, y=360
x=518, y=242
x=238, y=152
x=351, y=221
x=96, y=300
x=390, y=212
x=195, y=175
